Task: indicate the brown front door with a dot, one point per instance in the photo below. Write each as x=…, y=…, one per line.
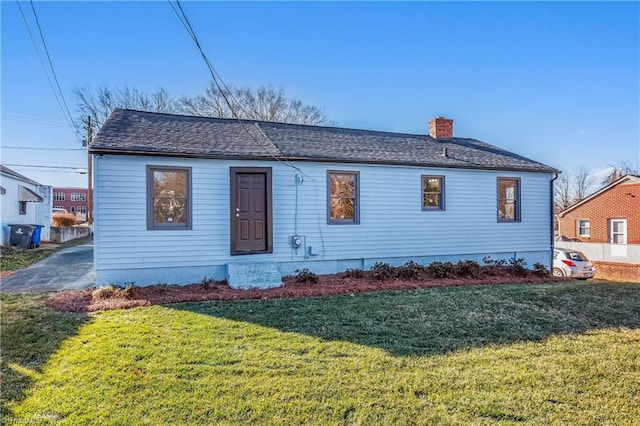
x=251, y=210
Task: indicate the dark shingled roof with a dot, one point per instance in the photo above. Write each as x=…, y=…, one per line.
x=147, y=133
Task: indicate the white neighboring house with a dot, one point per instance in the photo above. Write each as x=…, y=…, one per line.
x=24, y=201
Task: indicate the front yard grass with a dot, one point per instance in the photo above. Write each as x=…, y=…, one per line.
x=566, y=353
x=12, y=259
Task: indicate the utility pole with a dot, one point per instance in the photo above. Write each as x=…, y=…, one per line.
x=89, y=173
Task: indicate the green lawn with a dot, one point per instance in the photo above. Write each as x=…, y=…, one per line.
x=12, y=259
x=538, y=354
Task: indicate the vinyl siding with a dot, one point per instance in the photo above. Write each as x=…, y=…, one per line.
x=392, y=227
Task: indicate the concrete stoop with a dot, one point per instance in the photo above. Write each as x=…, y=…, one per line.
x=253, y=275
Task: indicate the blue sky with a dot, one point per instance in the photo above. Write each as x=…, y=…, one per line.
x=556, y=82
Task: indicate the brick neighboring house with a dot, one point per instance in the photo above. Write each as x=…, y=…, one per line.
x=610, y=215
x=73, y=200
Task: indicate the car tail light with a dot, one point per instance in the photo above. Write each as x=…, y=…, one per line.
x=569, y=263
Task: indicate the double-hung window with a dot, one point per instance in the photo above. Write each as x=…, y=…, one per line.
x=508, y=199
x=618, y=231
x=58, y=196
x=168, y=197
x=78, y=196
x=432, y=192
x=343, y=197
x=583, y=227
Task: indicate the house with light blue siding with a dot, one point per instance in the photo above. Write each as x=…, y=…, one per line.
x=179, y=198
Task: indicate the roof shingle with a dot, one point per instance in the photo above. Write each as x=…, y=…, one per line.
x=137, y=132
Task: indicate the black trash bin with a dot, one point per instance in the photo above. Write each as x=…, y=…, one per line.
x=21, y=235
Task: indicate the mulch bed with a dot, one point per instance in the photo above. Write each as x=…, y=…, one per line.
x=90, y=300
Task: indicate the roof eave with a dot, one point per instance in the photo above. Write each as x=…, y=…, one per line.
x=98, y=151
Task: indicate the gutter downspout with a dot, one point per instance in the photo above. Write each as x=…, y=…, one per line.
x=553, y=218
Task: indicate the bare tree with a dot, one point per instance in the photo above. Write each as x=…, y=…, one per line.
x=572, y=187
x=99, y=104
x=264, y=103
x=562, y=192
x=582, y=182
x=620, y=170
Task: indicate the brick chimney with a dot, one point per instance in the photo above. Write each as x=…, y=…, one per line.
x=441, y=128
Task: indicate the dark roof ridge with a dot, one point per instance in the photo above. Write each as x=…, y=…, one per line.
x=308, y=126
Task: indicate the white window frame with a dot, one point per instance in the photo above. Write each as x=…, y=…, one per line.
x=81, y=209
x=78, y=196
x=580, y=228
x=58, y=196
x=623, y=233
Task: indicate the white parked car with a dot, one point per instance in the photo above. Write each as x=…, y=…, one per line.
x=572, y=263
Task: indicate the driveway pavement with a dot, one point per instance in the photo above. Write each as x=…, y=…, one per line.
x=67, y=269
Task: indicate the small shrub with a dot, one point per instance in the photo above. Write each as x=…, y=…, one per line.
x=518, y=267
x=468, y=269
x=493, y=267
x=114, y=292
x=161, y=288
x=354, y=273
x=129, y=289
x=206, y=282
x=441, y=270
x=104, y=292
x=63, y=219
x=382, y=271
x=488, y=261
x=539, y=270
x=409, y=271
x=306, y=276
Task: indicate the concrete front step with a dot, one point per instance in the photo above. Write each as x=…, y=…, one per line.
x=253, y=275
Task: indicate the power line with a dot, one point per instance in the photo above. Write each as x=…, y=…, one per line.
x=42, y=148
x=61, y=100
x=43, y=121
x=214, y=74
x=53, y=71
x=19, y=169
x=44, y=68
x=44, y=167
